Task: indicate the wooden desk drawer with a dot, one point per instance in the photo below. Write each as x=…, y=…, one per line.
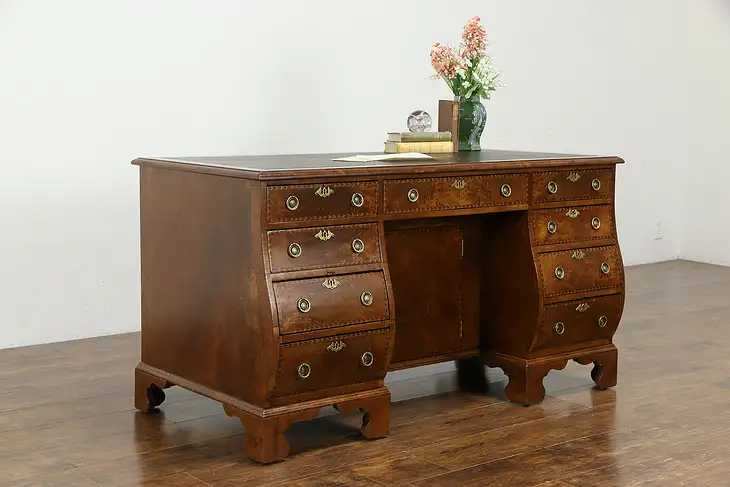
x=329, y=362
x=328, y=302
x=586, y=184
x=580, y=270
x=313, y=202
x=569, y=324
x=312, y=248
x=433, y=194
x=571, y=224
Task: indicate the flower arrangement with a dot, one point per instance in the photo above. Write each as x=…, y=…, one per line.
x=468, y=70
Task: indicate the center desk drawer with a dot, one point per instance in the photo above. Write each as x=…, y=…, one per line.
x=580, y=270
x=574, y=224
x=332, y=301
x=433, y=194
x=334, y=361
x=317, y=248
x=303, y=202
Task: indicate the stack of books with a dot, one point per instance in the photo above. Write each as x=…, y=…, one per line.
x=423, y=142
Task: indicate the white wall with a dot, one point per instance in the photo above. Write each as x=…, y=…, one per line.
x=704, y=186
x=86, y=86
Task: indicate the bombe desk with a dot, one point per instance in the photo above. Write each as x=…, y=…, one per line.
x=277, y=285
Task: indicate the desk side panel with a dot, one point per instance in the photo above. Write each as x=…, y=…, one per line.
x=205, y=308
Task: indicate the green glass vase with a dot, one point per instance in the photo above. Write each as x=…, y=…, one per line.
x=472, y=119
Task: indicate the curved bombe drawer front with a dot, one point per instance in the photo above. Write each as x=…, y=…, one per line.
x=580, y=270
x=312, y=248
x=570, y=324
x=432, y=194
x=334, y=361
x=325, y=201
x=331, y=301
x=584, y=184
x=573, y=224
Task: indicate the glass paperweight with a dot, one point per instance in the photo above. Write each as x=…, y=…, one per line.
x=419, y=121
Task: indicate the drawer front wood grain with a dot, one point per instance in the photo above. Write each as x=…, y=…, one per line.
x=338, y=360
x=433, y=194
x=572, y=185
x=571, y=224
x=581, y=270
x=332, y=301
x=569, y=324
x=322, y=247
x=326, y=201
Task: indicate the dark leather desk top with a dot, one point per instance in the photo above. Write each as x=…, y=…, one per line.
x=319, y=165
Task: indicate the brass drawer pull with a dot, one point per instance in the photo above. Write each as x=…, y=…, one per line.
x=596, y=223
x=605, y=267
x=596, y=184
x=367, y=359
x=303, y=305
x=582, y=307
x=552, y=227
x=413, y=195
x=357, y=200
x=559, y=328
x=573, y=177
x=324, y=191
x=552, y=187
x=572, y=213
x=324, y=235
x=366, y=298
x=506, y=190
x=336, y=346
x=559, y=272
x=304, y=370
x=358, y=245
x=295, y=250
x=292, y=203
x=602, y=321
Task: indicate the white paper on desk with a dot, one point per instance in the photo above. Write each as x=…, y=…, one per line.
x=403, y=156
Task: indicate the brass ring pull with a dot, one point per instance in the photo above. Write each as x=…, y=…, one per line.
x=292, y=203
x=295, y=250
x=605, y=267
x=303, y=305
x=357, y=200
x=596, y=223
x=596, y=184
x=413, y=195
x=304, y=370
x=559, y=328
x=552, y=187
x=358, y=245
x=552, y=227
x=602, y=321
x=366, y=298
x=367, y=359
x=506, y=190
x=559, y=272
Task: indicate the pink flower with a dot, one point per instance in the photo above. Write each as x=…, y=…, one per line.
x=445, y=61
x=475, y=39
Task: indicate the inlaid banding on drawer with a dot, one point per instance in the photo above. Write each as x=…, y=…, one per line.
x=323, y=247
x=334, y=361
x=571, y=323
x=329, y=302
x=451, y=193
x=325, y=201
x=571, y=224
x=580, y=270
x=584, y=184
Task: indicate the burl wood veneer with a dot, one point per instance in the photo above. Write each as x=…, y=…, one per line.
x=281, y=284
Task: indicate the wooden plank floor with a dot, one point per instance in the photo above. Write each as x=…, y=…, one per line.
x=66, y=416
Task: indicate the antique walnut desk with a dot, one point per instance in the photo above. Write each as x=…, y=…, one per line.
x=281, y=284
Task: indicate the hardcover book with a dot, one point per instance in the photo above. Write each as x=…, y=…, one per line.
x=448, y=120
x=422, y=147
x=419, y=136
